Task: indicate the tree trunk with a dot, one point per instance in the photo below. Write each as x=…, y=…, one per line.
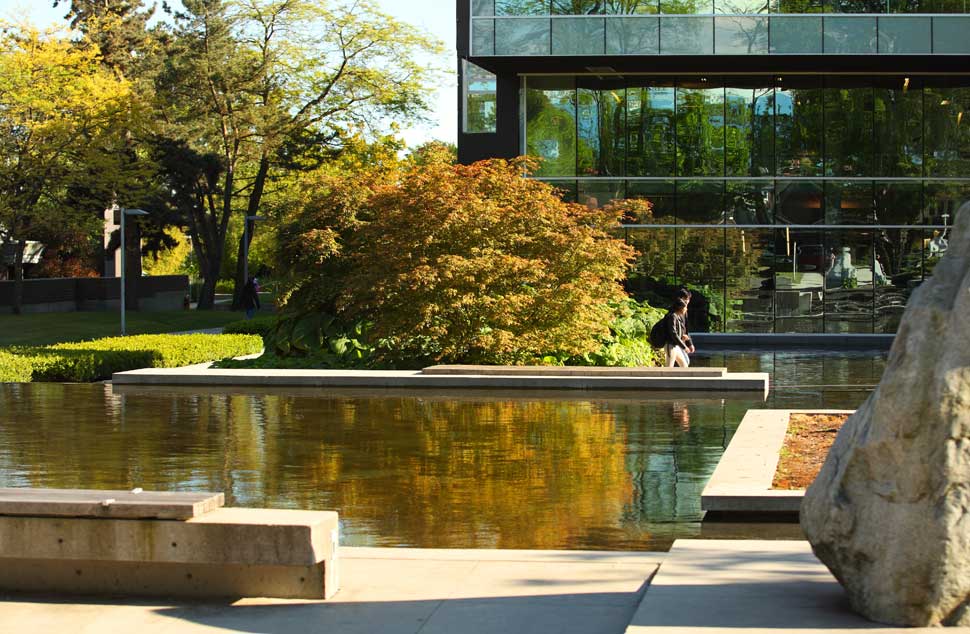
x=18, y=276
x=252, y=209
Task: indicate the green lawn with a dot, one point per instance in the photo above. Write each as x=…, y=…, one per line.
x=48, y=328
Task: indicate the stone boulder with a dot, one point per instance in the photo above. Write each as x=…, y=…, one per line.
x=889, y=514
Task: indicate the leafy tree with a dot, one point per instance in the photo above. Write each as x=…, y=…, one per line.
x=59, y=110
x=273, y=85
x=460, y=263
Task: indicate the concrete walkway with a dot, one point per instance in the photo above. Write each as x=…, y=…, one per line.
x=729, y=587
x=391, y=590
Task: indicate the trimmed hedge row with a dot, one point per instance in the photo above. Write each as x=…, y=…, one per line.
x=261, y=326
x=87, y=361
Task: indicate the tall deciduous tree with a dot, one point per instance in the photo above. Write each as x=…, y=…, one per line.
x=59, y=112
x=270, y=84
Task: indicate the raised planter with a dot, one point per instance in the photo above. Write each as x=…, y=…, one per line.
x=741, y=482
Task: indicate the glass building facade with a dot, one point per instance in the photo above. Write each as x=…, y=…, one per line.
x=789, y=202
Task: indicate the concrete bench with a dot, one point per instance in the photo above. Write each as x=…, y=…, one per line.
x=163, y=544
x=552, y=370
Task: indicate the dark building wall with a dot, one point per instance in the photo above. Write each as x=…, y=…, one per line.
x=505, y=142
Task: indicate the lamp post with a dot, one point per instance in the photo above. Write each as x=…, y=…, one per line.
x=124, y=253
x=246, y=245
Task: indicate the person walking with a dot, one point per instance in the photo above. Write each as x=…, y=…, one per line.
x=685, y=296
x=677, y=339
x=250, y=298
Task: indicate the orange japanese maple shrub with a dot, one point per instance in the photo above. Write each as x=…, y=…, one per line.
x=477, y=263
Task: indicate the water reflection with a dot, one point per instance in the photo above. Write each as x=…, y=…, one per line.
x=478, y=470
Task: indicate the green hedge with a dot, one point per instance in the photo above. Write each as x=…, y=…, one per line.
x=87, y=361
x=14, y=369
x=261, y=326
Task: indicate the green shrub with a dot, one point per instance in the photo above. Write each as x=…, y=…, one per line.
x=261, y=326
x=87, y=361
x=14, y=369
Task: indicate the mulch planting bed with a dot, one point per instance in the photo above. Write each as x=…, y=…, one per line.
x=807, y=443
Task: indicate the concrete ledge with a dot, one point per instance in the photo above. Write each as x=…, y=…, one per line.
x=552, y=370
x=274, y=553
x=203, y=375
x=741, y=482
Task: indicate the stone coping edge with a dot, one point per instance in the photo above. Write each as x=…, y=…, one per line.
x=199, y=375
x=741, y=482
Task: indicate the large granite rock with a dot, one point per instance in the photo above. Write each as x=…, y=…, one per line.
x=890, y=511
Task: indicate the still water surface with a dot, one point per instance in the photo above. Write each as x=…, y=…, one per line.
x=554, y=469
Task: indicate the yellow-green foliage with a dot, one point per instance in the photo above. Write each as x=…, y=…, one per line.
x=14, y=369
x=95, y=360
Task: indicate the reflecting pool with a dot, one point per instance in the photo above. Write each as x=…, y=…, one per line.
x=480, y=469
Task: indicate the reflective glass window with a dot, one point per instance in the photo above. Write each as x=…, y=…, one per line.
x=905, y=35
x=898, y=203
x=551, y=124
x=600, y=192
x=483, y=37
x=632, y=7
x=849, y=202
x=800, y=263
x=483, y=7
x=662, y=196
x=578, y=36
x=741, y=35
x=527, y=36
x=741, y=7
x=947, y=129
x=897, y=272
x=849, y=35
x=687, y=35
x=700, y=202
x=578, y=7
x=944, y=6
x=858, y=6
x=849, y=282
x=943, y=202
x=798, y=127
x=936, y=242
x=567, y=189
x=798, y=202
x=601, y=127
x=749, y=203
x=749, y=135
x=700, y=129
x=633, y=36
x=700, y=267
x=799, y=6
x=749, y=272
x=479, y=108
x=908, y=6
x=848, y=128
x=651, y=141
x=795, y=35
x=521, y=7
x=653, y=267
x=950, y=34
x=898, y=134
x=687, y=6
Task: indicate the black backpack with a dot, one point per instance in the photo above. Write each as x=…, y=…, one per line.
x=658, y=334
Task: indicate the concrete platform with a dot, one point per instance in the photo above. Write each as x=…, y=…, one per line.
x=202, y=374
x=729, y=587
x=741, y=482
x=391, y=590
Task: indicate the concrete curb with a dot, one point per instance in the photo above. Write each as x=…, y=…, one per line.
x=741, y=482
x=198, y=375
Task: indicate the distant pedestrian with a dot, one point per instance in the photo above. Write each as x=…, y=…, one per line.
x=250, y=297
x=685, y=296
x=677, y=339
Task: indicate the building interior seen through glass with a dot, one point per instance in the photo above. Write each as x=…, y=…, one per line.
x=650, y=7
x=797, y=204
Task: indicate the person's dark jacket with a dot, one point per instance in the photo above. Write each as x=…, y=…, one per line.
x=675, y=330
x=250, y=297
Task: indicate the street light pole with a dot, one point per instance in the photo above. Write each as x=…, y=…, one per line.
x=124, y=253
